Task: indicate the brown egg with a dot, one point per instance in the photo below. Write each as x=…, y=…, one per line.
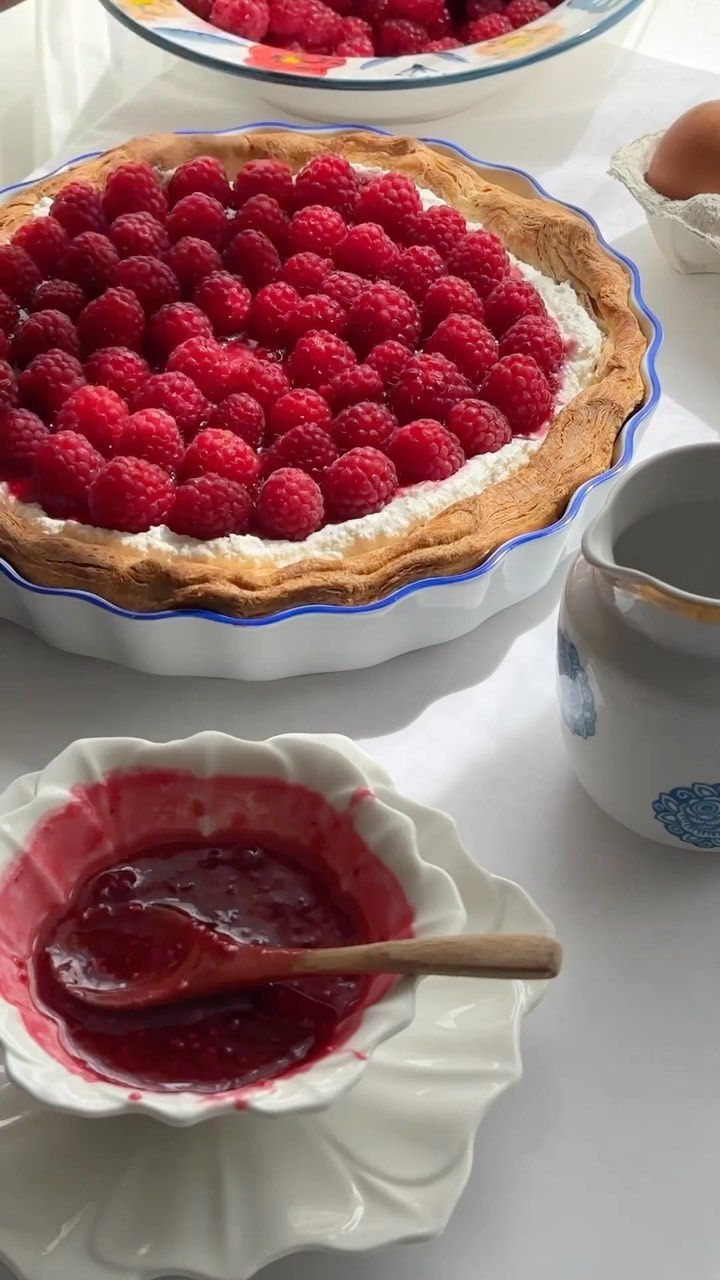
x=687, y=160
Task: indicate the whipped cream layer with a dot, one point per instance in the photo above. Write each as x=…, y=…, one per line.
x=411, y=507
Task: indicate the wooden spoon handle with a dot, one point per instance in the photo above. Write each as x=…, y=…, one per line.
x=465, y=956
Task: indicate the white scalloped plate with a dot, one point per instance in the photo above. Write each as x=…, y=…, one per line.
x=129, y=1199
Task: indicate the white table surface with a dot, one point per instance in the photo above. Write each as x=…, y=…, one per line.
x=605, y=1161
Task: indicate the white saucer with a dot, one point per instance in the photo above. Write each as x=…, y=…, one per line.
x=131, y=1199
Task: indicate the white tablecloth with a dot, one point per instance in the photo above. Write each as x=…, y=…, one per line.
x=605, y=1160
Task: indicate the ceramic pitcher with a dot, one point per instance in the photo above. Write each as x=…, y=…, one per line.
x=639, y=652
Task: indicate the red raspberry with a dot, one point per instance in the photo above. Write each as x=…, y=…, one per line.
x=424, y=450
x=178, y=396
x=121, y=370
x=441, y=227
x=221, y=453
x=539, y=337
x=381, y=313
x=360, y=482
x=481, y=258
x=203, y=360
x=21, y=434
x=389, y=359
x=139, y=235
x=425, y=12
x=509, y=301
x=343, y=287
x=242, y=415
x=201, y=216
x=325, y=28
x=266, y=177
x=4, y=346
x=8, y=387
x=96, y=413
x=398, y=36
x=490, y=27
x=518, y=386
x=9, y=313
x=520, y=12
x=308, y=448
x=447, y=296
x=329, y=179
x=317, y=357
x=134, y=188
x=299, y=408
x=364, y=425
x=152, y=282
x=251, y=255
x=58, y=295
x=479, y=427
x=428, y=386
x=316, y=229
x=90, y=261
x=247, y=18
x=357, y=47
x=192, y=260
x=78, y=207
x=392, y=200
x=226, y=303
x=115, y=319
x=288, y=20
x=372, y=11
x=306, y=272
x=480, y=8
x=175, y=324
x=262, y=379
x=416, y=269
x=443, y=45
x=272, y=312
x=130, y=494
x=48, y=381
x=153, y=435
x=45, y=240
x=44, y=331
x=367, y=251
x=354, y=385
x=468, y=343
x=201, y=8
x=442, y=26
x=19, y=276
x=263, y=213
x=203, y=173
x=318, y=312
x=64, y=468
x=289, y=505
x=208, y=507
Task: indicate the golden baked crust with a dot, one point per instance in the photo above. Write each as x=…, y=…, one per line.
x=579, y=443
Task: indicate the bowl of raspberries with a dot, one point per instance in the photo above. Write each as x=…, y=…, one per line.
x=426, y=57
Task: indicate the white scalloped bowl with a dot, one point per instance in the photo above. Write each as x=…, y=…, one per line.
x=103, y=797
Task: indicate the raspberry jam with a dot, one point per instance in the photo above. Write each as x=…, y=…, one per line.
x=248, y=890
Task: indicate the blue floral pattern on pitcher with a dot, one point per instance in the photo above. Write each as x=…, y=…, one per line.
x=577, y=703
x=691, y=814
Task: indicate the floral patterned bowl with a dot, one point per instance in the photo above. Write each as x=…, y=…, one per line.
x=413, y=87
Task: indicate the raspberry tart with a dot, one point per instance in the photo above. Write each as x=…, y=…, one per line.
x=253, y=372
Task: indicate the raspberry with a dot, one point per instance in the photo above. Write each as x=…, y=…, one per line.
x=520, y=12
x=539, y=337
x=481, y=258
x=367, y=251
x=78, y=207
x=288, y=20
x=58, y=295
x=251, y=255
x=152, y=435
x=318, y=312
x=316, y=229
x=468, y=343
x=443, y=45
x=96, y=413
x=357, y=47
x=480, y=8
x=398, y=36
x=354, y=385
x=176, y=395
x=242, y=415
x=19, y=276
x=428, y=386
x=441, y=227
x=221, y=453
x=121, y=370
x=325, y=28
x=261, y=379
x=65, y=466
x=479, y=427
x=329, y=179
x=201, y=216
x=9, y=313
x=360, y=482
x=139, y=235
x=225, y=301
x=192, y=260
x=416, y=269
x=90, y=261
x=264, y=177
x=372, y=11
x=263, y=213
x=447, y=296
x=441, y=27
x=343, y=287
x=247, y=18
x=364, y=425
x=21, y=434
x=518, y=386
x=392, y=200
x=425, y=12
x=306, y=272
x=4, y=346
x=175, y=324
x=308, y=448
x=205, y=174
x=43, y=331
x=490, y=27
x=45, y=240
x=317, y=357
x=203, y=360
x=130, y=494
x=289, y=505
x=381, y=313
x=298, y=408
x=509, y=301
x=48, y=381
x=8, y=387
x=388, y=358
x=152, y=282
x=201, y=8
x=272, y=313
x=134, y=188
x=208, y=507
x=115, y=319
x=424, y=450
